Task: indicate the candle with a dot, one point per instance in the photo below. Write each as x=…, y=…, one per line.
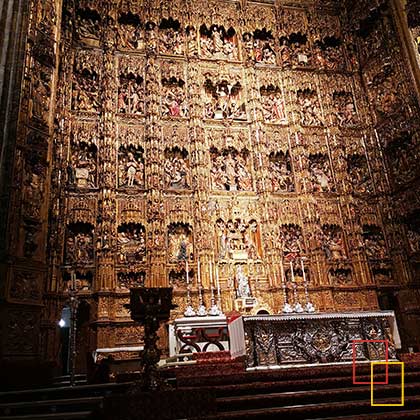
x=73, y=280
x=303, y=270
x=211, y=273
x=217, y=281
x=291, y=271
x=282, y=271
x=198, y=272
x=186, y=269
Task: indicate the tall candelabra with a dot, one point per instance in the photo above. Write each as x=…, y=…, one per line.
x=202, y=311
x=297, y=306
x=74, y=306
x=189, y=310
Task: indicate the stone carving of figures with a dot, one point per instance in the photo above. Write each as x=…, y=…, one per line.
x=345, y=114
x=358, y=172
x=85, y=90
x=171, y=37
x=177, y=171
x=217, y=43
x=333, y=243
x=79, y=247
x=192, y=41
x=132, y=243
x=230, y=172
x=243, y=290
x=310, y=112
x=222, y=239
x=268, y=56
x=320, y=174
x=291, y=239
x=413, y=238
x=130, y=35
x=223, y=100
x=130, y=168
x=174, y=102
x=250, y=240
x=85, y=168
x=130, y=95
x=152, y=29
x=41, y=95
x=273, y=108
x=285, y=53
x=281, y=176
x=217, y=38
x=88, y=27
x=180, y=243
x=218, y=175
x=375, y=246
x=248, y=46
x=300, y=54
x=244, y=177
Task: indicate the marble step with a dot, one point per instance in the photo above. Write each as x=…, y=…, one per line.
x=55, y=393
x=51, y=406
x=356, y=393
x=409, y=415
x=318, y=411
x=304, y=384
x=81, y=415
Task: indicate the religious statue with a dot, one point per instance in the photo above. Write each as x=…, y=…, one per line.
x=333, y=242
x=180, y=242
x=130, y=33
x=281, y=172
x=130, y=94
x=309, y=108
x=230, y=170
x=85, y=87
x=223, y=101
x=358, y=172
x=132, y=243
x=238, y=239
x=130, y=167
x=345, y=112
x=41, y=93
x=127, y=280
x=174, y=100
x=79, y=244
x=218, y=43
x=374, y=242
x=171, y=37
x=192, y=44
x=413, y=238
x=88, y=26
x=243, y=290
x=320, y=177
x=176, y=167
x=84, y=162
x=291, y=240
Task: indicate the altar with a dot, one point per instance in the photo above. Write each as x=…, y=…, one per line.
x=299, y=339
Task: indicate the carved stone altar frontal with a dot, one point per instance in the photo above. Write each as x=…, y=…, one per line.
x=317, y=338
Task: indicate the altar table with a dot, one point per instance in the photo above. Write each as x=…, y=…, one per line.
x=297, y=339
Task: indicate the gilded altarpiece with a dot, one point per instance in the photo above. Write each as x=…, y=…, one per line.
x=238, y=135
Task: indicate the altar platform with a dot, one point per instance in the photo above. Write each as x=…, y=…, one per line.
x=291, y=339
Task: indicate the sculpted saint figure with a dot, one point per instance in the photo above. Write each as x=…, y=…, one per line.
x=243, y=284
